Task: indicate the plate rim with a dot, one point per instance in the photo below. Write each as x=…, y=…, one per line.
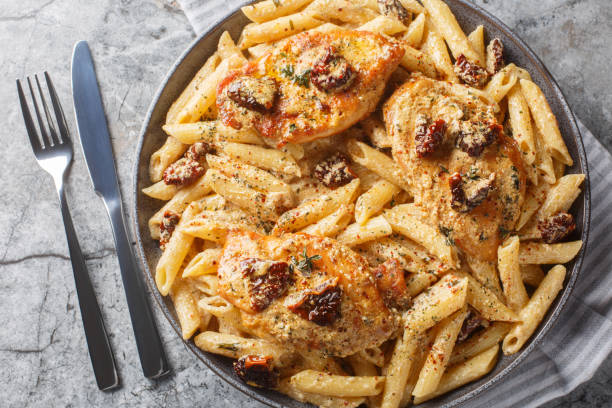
x=543, y=330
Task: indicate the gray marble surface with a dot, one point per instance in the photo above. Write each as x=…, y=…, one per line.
x=42, y=349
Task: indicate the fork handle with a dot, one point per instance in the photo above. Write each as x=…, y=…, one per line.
x=150, y=348
x=99, y=347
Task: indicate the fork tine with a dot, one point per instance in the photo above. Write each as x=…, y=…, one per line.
x=52, y=130
x=29, y=123
x=59, y=112
x=43, y=131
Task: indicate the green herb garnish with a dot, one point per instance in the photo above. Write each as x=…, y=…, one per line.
x=304, y=265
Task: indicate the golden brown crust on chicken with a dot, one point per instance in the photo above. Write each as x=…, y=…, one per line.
x=469, y=179
x=311, y=86
x=319, y=295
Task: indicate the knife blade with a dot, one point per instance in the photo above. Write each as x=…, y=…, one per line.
x=97, y=149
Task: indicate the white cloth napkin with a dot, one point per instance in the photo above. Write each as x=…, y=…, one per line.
x=581, y=339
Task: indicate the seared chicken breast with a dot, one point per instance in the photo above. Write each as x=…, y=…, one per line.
x=311, y=86
x=466, y=175
x=305, y=292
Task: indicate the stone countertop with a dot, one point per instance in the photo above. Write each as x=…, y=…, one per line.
x=42, y=347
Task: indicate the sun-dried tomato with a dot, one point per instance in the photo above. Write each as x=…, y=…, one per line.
x=470, y=73
x=428, y=137
x=321, y=305
x=257, y=94
x=166, y=228
x=474, y=137
x=557, y=227
x=394, y=8
x=198, y=152
x=334, y=171
x=495, y=56
x=183, y=171
x=268, y=280
x=256, y=371
x=472, y=322
x=331, y=72
x=465, y=196
x=389, y=279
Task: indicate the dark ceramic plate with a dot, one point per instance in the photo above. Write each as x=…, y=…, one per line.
x=469, y=16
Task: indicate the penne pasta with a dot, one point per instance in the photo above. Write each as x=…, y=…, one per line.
x=277, y=29
x=510, y=273
x=479, y=342
x=331, y=225
x=271, y=9
x=204, y=263
x=439, y=354
x=268, y=159
x=356, y=233
x=377, y=162
x=212, y=132
x=533, y=313
x=170, y=152
x=413, y=36
x=186, y=309
x=161, y=190
x=372, y=201
x=397, y=372
x=323, y=383
x=540, y=253
x=546, y=122
x=435, y=47
x=476, y=39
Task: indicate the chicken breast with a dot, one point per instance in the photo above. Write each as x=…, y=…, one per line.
x=466, y=175
x=311, y=86
x=308, y=293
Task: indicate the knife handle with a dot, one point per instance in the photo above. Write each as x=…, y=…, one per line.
x=100, y=351
x=150, y=348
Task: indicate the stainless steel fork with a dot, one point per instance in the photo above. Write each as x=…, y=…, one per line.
x=53, y=151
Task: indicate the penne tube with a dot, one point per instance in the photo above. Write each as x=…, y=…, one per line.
x=361, y=367
x=501, y=83
x=377, y=162
x=398, y=370
x=383, y=25
x=543, y=162
x=479, y=342
x=324, y=383
x=161, y=190
x=562, y=195
x=211, y=132
x=540, y=253
x=463, y=373
x=265, y=206
x=416, y=60
x=277, y=29
x=533, y=313
x=447, y=25
x=286, y=387
x=510, y=273
x=206, y=93
x=214, y=225
x=204, y=263
x=227, y=48
x=372, y=201
x=486, y=273
x=174, y=254
x=444, y=298
x=373, y=355
x=186, y=309
x=407, y=224
x=207, y=284
x=171, y=151
x=331, y=225
x=207, y=69
x=520, y=122
x=476, y=39
x=412, y=6
x=435, y=47
x=356, y=233
x=271, y=9
x=259, y=50
x=311, y=211
x=254, y=177
x=268, y=159
x=546, y=122
x=347, y=11
x=233, y=346
x=375, y=129
x=413, y=36
x=485, y=301
x=418, y=282
x=439, y=354
x=534, y=198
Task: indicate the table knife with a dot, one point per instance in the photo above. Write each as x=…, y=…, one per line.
x=96, y=144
